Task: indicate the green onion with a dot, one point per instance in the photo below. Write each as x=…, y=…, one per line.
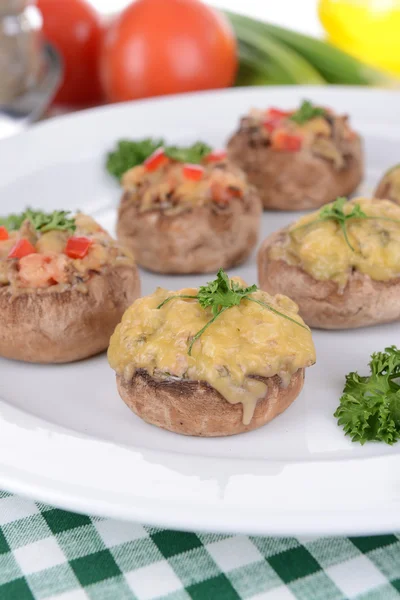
x=318, y=58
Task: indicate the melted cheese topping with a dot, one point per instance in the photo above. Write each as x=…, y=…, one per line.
x=246, y=340
x=321, y=250
x=391, y=181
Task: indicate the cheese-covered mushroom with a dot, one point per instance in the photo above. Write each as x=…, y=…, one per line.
x=389, y=185
x=220, y=360
x=341, y=265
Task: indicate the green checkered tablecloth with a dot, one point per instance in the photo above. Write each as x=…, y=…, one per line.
x=53, y=554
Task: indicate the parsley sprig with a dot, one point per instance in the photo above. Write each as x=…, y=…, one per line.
x=221, y=294
x=335, y=212
x=306, y=112
x=41, y=221
x=370, y=406
x=130, y=153
x=191, y=154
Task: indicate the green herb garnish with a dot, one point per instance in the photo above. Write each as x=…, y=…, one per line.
x=41, y=221
x=190, y=154
x=131, y=153
x=306, y=112
x=335, y=212
x=12, y=222
x=57, y=220
x=220, y=295
x=370, y=406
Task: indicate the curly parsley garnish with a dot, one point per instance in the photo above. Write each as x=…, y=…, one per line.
x=191, y=154
x=41, y=221
x=220, y=295
x=370, y=406
x=131, y=153
x=12, y=222
x=306, y=112
x=335, y=212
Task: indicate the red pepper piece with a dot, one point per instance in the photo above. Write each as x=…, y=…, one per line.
x=216, y=156
x=276, y=113
x=274, y=117
x=282, y=140
x=77, y=247
x=193, y=172
x=222, y=194
x=3, y=233
x=271, y=124
x=22, y=248
x=156, y=160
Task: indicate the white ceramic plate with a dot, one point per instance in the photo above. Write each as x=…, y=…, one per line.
x=66, y=438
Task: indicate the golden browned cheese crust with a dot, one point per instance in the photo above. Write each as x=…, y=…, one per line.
x=50, y=326
x=389, y=186
x=197, y=240
x=295, y=180
x=196, y=408
x=362, y=302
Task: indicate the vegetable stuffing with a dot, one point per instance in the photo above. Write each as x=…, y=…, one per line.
x=130, y=153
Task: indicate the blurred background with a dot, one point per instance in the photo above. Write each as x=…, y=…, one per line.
x=58, y=56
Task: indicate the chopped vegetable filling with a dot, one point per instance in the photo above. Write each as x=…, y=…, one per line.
x=40, y=250
x=310, y=127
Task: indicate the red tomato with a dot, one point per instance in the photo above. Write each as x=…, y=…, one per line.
x=222, y=194
x=22, y=248
x=77, y=247
x=193, y=172
x=277, y=113
x=271, y=124
x=274, y=117
x=75, y=29
x=158, y=47
x=156, y=160
x=216, y=156
x=286, y=141
x=3, y=233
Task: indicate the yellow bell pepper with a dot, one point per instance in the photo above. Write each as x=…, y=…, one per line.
x=367, y=29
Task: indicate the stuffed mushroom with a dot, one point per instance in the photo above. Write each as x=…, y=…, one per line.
x=215, y=361
x=341, y=265
x=298, y=159
x=64, y=285
x=389, y=185
x=188, y=218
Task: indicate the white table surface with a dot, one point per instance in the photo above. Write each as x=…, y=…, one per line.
x=298, y=14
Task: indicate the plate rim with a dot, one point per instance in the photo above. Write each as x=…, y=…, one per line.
x=227, y=518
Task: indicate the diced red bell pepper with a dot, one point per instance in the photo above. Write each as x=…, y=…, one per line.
x=281, y=140
x=274, y=117
x=3, y=233
x=22, y=248
x=276, y=113
x=156, y=160
x=77, y=247
x=271, y=124
x=216, y=156
x=222, y=194
x=193, y=172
